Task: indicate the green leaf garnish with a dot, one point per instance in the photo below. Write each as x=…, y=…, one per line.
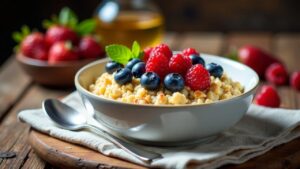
x=86, y=27
x=19, y=36
x=136, y=49
x=119, y=53
x=67, y=17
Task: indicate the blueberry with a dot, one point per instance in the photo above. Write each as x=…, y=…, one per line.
x=174, y=82
x=150, y=80
x=112, y=66
x=123, y=76
x=196, y=59
x=215, y=70
x=132, y=62
x=138, y=69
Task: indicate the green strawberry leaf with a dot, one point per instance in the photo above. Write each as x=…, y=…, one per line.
x=17, y=36
x=86, y=27
x=136, y=50
x=67, y=17
x=118, y=53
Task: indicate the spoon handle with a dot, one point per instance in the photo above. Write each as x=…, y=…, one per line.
x=142, y=154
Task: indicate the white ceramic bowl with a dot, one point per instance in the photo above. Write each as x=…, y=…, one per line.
x=165, y=124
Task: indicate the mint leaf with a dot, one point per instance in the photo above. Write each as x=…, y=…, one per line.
x=136, y=49
x=86, y=27
x=118, y=53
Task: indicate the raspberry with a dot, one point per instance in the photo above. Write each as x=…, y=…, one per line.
x=277, y=74
x=180, y=64
x=197, y=78
x=189, y=51
x=162, y=48
x=267, y=97
x=147, y=53
x=159, y=64
x=295, y=80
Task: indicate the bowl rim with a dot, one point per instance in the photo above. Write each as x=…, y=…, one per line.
x=97, y=97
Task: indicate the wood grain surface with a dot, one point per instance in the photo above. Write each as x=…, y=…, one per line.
x=18, y=92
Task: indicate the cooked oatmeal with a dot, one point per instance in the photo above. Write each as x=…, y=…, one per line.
x=220, y=89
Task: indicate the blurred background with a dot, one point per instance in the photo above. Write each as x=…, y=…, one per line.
x=180, y=16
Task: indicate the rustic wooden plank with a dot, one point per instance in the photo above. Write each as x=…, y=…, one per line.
x=13, y=83
x=211, y=43
x=34, y=161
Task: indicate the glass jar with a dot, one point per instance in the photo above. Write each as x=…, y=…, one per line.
x=124, y=21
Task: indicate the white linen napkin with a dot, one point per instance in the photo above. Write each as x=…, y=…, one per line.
x=259, y=131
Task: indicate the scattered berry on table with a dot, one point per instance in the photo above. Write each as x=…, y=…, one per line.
x=138, y=69
x=112, y=66
x=150, y=81
x=132, y=62
x=268, y=97
x=147, y=52
x=215, y=70
x=277, y=74
x=295, y=80
x=189, y=51
x=197, y=59
x=159, y=64
x=123, y=76
x=62, y=51
x=179, y=64
x=162, y=48
x=174, y=82
x=197, y=78
x=60, y=33
x=34, y=46
x=90, y=48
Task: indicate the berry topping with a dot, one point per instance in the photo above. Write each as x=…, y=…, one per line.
x=159, y=64
x=112, y=66
x=267, y=97
x=196, y=59
x=34, y=46
x=162, y=48
x=147, y=53
x=60, y=33
x=179, y=64
x=132, y=62
x=150, y=80
x=62, y=51
x=197, y=78
x=138, y=69
x=295, y=80
x=90, y=48
x=189, y=51
x=215, y=70
x=277, y=74
x=123, y=76
x=174, y=82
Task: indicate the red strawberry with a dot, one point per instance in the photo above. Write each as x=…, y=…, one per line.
x=60, y=33
x=256, y=59
x=159, y=64
x=295, y=80
x=89, y=48
x=277, y=74
x=147, y=53
x=34, y=46
x=197, y=78
x=62, y=51
x=267, y=97
x=188, y=51
x=180, y=64
x=162, y=48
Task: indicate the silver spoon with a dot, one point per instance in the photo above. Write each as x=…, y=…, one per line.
x=68, y=118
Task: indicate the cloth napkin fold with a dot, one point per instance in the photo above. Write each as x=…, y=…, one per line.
x=259, y=131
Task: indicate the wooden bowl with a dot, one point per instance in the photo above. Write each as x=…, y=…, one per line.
x=54, y=75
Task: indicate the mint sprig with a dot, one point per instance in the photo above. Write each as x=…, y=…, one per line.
x=122, y=54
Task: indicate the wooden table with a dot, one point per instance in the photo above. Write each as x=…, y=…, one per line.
x=18, y=92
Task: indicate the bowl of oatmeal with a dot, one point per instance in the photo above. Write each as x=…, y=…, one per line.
x=162, y=117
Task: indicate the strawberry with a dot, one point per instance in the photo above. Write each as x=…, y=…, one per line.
x=277, y=74
x=256, y=59
x=197, y=78
x=62, y=51
x=268, y=97
x=34, y=46
x=90, y=48
x=60, y=33
x=295, y=80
